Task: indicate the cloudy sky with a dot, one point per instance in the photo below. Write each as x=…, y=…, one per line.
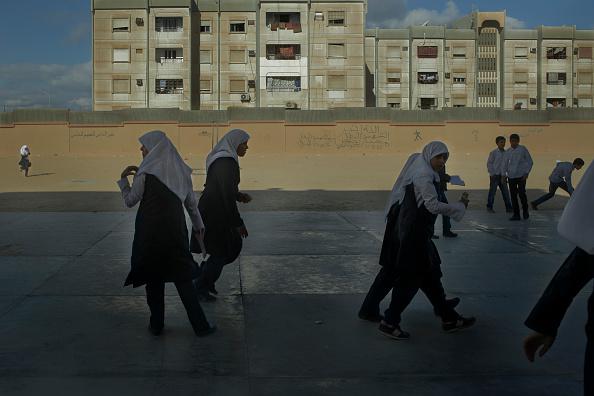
x=46, y=45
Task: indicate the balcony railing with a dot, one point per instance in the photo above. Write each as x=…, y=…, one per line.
x=169, y=91
x=294, y=26
x=164, y=60
x=283, y=57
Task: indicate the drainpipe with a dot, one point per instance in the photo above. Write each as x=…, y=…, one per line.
x=92, y=56
x=148, y=47
x=309, y=27
x=257, y=88
x=375, y=67
x=219, y=55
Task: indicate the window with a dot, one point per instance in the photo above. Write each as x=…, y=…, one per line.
x=284, y=21
x=520, y=102
x=556, y=78
x=165, y=87
x=121, y=85
x=584, y=102
x=139, y=51
x=459, y=77
x=393, y=102
x=169, y=55
x=459, y=52
x=336, y=18
x=205, y=26
x=283, y=51
x=584, y=78
x=120, y=24
x=336, y=50
x=393, y=77
x=337, y=82
x=205, y=56
x=283, y=84
x=427, y=77
x=237, y=56
x=428, y=103
x=520, y=52
x=121, y=55
x=237, y=27
x=205, y=86
x=585, y=53
x=554, y=103
x=520, y=77
x=169, y=24
x=556, y=53
x=427, y=51
x=318, y=16
x=459, y=101
x=237, y=86
x=393, y=52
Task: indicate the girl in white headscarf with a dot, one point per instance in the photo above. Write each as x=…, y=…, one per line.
x=409, y=259
x=160, y=251
x=24, y=162
x=218, y=204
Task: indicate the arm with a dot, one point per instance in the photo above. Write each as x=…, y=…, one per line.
x=192, y=207
x=528, y=162
x=505, y=164
x=491, y=164
x=568, y=181
x=425, y=192
x=228, y=185
x=132, y=195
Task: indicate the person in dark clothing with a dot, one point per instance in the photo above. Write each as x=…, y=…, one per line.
x=495, y=164
x=409, y=258
x=517, y=164
x=160, y=250
x=444, y=179
x=575, y=273
x=218, y=204
x=25, y=163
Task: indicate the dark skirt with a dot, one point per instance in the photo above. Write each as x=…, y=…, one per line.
x=24, y=162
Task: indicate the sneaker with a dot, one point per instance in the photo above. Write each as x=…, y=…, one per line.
x=394, y=332
x=209, y=330
x=490, y=210
x=526, y=215
x=533, y=205
x=376, y=318
x=451, y=303
x=434, y=236
x=515, y=218
x=450, y=234
x=459, y=324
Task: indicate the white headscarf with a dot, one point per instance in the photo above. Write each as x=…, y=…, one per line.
x=25, y=150
x=227, y=146
x=417, y=168
x=164, y=162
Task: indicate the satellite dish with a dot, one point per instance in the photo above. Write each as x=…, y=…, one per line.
x=426, y=22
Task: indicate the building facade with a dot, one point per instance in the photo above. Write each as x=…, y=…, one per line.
x=316, y=54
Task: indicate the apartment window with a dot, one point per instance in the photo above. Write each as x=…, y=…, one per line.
x=169, y=24
x=487, y=89
x=393, y=77
x=168, y=87
x=393, y=52
x=121, y=55
x=556, y=53
x=205, y=86
x=139, y=51
x=336, y=18
x=427, y=51
x=120, y=24
x=520, y=52
x=283, y=51
x=237, y=27
x=336, y=50
x=584, y=102
x=237, y=86
x=427, y=77
x=585, y=53
x=459, y=101
x=121, y=85
x=318, y=16
x=554, y=78
x=459, y=52
x=428, y=103
x=459, y=78
x=283, y=84
x=520, y=78
x=337, y=82
x=205, y=26
x=520, y=102
x=284, y=21
x=554, y=103
x=584, y=78
x=237, y=56
x=393, y=102
x=205, y=56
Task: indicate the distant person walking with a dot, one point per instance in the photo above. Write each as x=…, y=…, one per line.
x=24, y=163
x=160, y=251
x=495, y=164
x=517, y=165
x=409, y=258
x=559, y=178
x=218, y=204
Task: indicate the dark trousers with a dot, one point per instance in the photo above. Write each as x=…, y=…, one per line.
x=210, y=272
x=589, y=359
x=403, y=293
x=552, y=188
x=155, y=297
x=445, y=220
x=494, y=183
x=517, y=186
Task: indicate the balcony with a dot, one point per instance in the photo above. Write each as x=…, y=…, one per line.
x=169, y=56
x=427, y=78
x=283, y=51
x=169, y=24
x=283, y=84
x=284, y=21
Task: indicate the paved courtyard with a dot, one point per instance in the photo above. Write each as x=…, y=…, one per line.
x=286, y=312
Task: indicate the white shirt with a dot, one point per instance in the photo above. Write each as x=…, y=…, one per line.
x=517, y=162
x=495, y=162
x=133, y=195
x=562, y=172
x=426, y=192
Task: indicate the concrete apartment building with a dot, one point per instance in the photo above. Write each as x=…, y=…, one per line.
x=316, y=54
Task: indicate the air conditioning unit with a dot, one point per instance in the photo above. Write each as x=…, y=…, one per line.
x=246, y=97
x=139, y=22
x=290, y=105
x=575, y=51
x=447, y=75
x=533, y=50
x=139, y=82
x=252, y=53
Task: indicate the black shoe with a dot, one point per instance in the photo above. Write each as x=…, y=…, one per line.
x=515, y=218
x=459, y=324
x=490, y=210
x=450, y=234
x=394, y=332
x=376, y=318
x=450, y=302
x=434, y=236
x=208, y=331
x=155, y=332
x=533, y=205
x=525, y=215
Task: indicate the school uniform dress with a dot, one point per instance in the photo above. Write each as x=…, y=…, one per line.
x=444, y=179
x=495, y=164
x=517, y=164
x=559, y=178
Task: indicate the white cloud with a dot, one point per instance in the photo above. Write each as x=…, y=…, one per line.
x=415, y=16
x=514, y=23
x=45, y=85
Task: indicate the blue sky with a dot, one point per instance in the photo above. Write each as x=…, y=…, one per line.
x=50, y=65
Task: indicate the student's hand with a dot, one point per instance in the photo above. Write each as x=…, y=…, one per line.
x=129, y=171
x=243, y=231
x=535, y=341
x=243, y=197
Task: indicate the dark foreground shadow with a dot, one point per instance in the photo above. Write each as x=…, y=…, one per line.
x=42, y=174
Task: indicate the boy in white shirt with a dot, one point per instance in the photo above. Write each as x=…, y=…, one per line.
x=559, y=178
x=497, y=176
x=517, y=166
